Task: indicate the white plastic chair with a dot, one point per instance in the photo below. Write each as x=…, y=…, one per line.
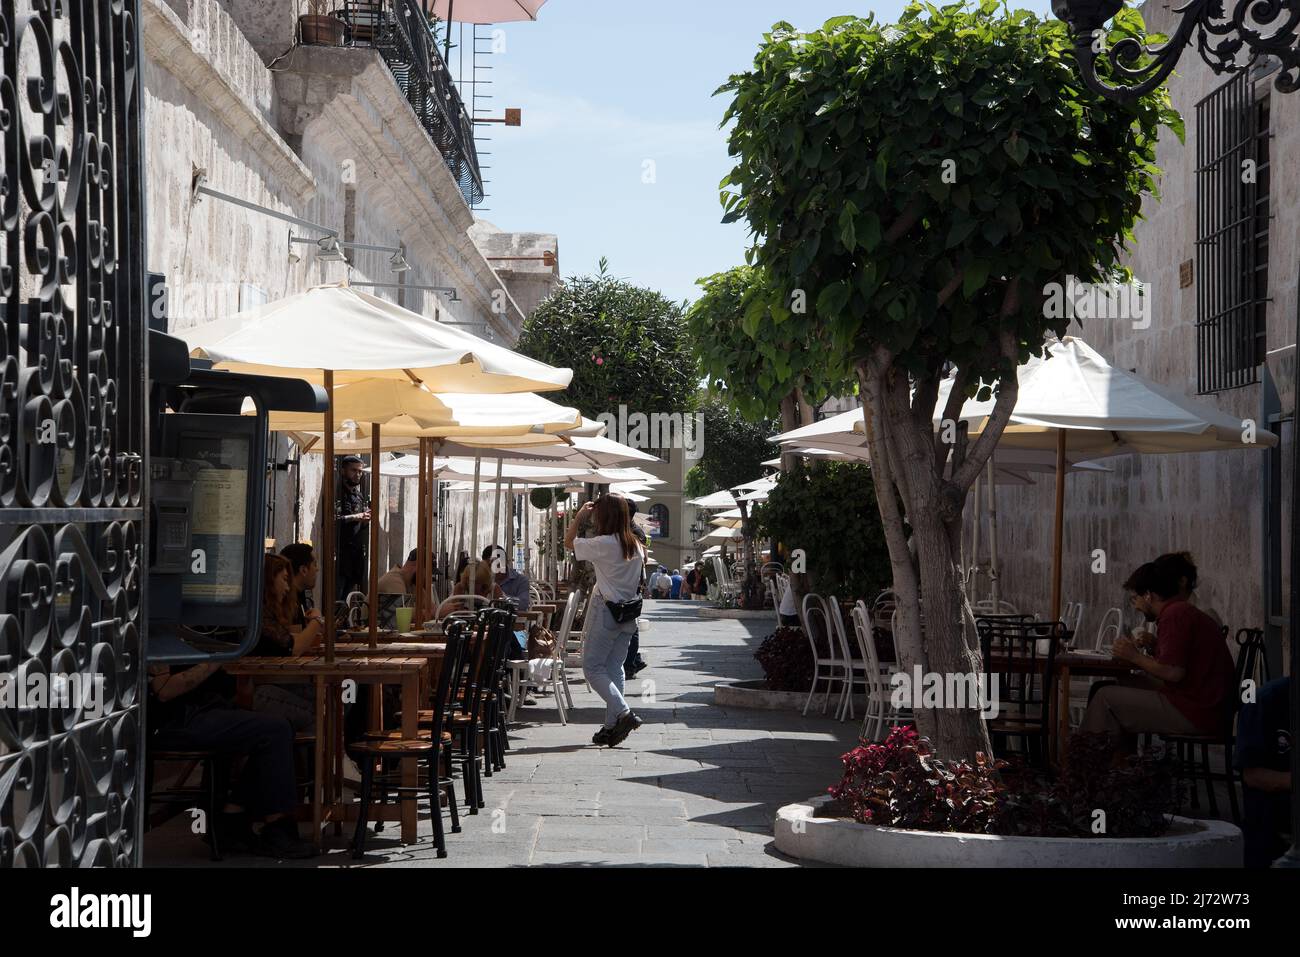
x=559, y=679
x=726, y=584
x=1111, y=627
x=851, y=665
x=880, y=705
x=828, y=668
x=776, y=587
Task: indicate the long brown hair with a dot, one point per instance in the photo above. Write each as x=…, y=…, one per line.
x=276, y=611
x=613, y=518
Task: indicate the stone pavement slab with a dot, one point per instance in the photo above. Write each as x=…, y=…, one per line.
x=696, y=786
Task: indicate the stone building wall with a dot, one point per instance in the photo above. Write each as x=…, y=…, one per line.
x=1209, y=504
x=326, y=137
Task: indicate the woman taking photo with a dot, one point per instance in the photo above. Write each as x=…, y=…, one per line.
x=618, y=558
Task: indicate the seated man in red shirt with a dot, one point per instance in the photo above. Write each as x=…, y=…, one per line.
x=1191, y=665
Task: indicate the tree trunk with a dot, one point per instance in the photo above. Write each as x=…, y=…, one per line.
x=902, y=458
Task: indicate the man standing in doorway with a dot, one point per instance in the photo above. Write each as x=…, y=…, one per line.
x=353, y=515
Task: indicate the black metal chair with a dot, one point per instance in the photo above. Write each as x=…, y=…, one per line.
x=210, y=794
x=1025, y=653
x=1250, y=658
x=433, y=750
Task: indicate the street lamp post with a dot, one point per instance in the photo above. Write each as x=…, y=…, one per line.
x=1255, y=28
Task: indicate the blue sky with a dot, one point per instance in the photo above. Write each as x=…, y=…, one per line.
x=607, y=85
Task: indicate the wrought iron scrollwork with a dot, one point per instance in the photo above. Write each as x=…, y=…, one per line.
x=72, y=433
x=1229, y=40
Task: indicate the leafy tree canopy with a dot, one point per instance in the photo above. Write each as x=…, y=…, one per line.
x=734, y=447
x=824, y=512
x=922, y=183
x=625, y=345
x=744, y=335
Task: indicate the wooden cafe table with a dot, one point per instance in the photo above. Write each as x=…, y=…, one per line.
x=375, y=670
x=1067, y=664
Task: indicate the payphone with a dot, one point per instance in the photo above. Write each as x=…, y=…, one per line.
x=207, y=510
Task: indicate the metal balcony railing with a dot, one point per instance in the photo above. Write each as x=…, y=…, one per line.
x=400, y=32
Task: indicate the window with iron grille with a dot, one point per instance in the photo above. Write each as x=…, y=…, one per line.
x=1232, y=195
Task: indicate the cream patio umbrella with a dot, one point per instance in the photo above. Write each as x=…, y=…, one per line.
x=1076, y=403
x=716, y=500
x=338, y=331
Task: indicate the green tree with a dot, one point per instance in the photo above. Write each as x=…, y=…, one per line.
x=734, y=450
x=743, y=333
x=625, y=344
x=824, y=512
x=922, y=184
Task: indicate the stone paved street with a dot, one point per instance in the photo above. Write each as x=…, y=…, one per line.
x=696, y=786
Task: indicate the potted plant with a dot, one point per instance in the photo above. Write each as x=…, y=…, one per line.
x=319, y=27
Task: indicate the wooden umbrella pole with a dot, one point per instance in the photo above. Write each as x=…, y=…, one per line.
x=421, y=546
x=508, y=539
x=435, y=519
x=994, y=590
x=497, y=523
x=528, y=542
x=432, y=529
x=473, y=525
x=373, y=597
x=1058, y=531
x=330, y=571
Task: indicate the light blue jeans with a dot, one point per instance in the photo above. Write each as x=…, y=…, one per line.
x=603, y=654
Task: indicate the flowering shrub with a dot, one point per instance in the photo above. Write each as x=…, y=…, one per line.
x=787, y=660
x=902, y=783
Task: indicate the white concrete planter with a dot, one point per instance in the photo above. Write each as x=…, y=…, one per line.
x=710, y=612
x=756, y=694
x=850, y=844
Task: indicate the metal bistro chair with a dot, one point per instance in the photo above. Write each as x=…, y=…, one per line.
x=1026, y=678
x=433, y=750
x=776, y=588
x=828, y=667
x=558, y=684
x=880, y=700
x=1250, y=660
x=852, y=666
x=1111, y=627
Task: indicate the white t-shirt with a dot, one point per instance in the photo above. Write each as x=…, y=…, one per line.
x=617, y=578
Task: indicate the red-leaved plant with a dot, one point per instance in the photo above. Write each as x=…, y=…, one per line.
x=902, y=783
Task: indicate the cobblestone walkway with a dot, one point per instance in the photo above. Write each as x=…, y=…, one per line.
x=696, y=786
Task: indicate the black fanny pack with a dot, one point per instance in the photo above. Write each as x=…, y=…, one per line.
x=624, y=611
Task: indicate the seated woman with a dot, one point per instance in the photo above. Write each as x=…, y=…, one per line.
x=475, y=579
x=295, y=703
x=191, y=710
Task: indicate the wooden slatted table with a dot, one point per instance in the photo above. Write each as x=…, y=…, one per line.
x=377, y=670
x=1066, y=664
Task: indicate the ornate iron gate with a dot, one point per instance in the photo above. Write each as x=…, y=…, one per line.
x=72, y=433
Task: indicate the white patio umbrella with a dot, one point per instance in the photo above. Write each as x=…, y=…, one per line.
x=723, y=534
x=403, y=408
x=337, y=331
x=358, y=336
x=1075, y=402
x=715, y=500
